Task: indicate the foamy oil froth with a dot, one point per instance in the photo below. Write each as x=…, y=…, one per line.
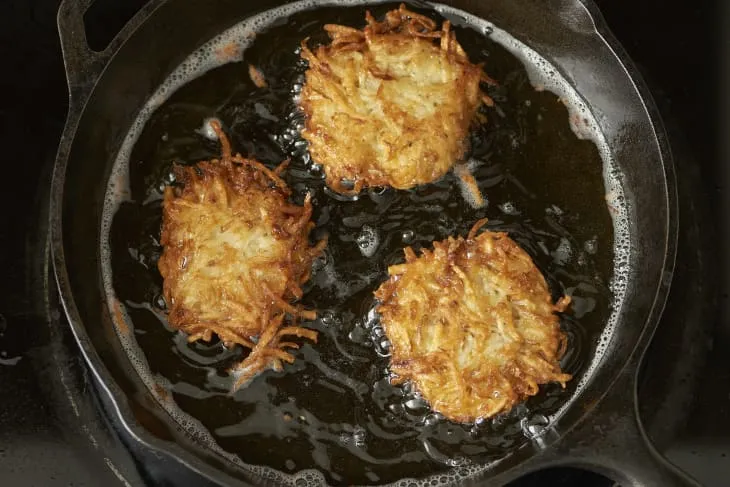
x=368, y=241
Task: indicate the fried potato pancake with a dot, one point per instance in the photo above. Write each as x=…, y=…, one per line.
x=235, y=253
x=391, y=104
x=472, y=325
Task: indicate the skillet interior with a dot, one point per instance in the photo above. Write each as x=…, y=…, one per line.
x=106, y=122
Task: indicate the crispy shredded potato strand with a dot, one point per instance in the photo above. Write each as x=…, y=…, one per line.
x=472, y=325
x=235, y=254
x=469, y=187
x=391, y=104
x=257, y=77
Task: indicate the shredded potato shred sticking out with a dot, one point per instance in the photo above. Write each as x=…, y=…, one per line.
x=472, y=325
x=235, y=254
x=391, y=104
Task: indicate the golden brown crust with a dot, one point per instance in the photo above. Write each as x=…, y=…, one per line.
x=391, y=104
x=472, y=325
x=235, y=253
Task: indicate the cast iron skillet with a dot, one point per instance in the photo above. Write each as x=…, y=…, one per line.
x=600, y=431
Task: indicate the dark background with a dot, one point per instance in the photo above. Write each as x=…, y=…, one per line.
x=679, y=48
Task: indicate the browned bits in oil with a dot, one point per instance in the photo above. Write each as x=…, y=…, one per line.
x=257, y=76
x=119, y=317
x=229, y=52
x=161, y=391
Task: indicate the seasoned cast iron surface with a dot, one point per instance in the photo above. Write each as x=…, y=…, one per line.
x=333, y=409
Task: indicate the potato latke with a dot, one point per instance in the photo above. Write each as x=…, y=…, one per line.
x=389, y=105
x=235, y=253
x=472, y=325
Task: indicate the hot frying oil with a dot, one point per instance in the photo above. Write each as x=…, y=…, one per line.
x=334, y=409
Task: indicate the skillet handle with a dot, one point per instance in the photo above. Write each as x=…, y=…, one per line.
x=611, y=441
x=83, y=65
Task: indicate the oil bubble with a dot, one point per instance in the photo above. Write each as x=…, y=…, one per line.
x=367, y=240
x=534, y=425
x=206, y=130
x=408, y=236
